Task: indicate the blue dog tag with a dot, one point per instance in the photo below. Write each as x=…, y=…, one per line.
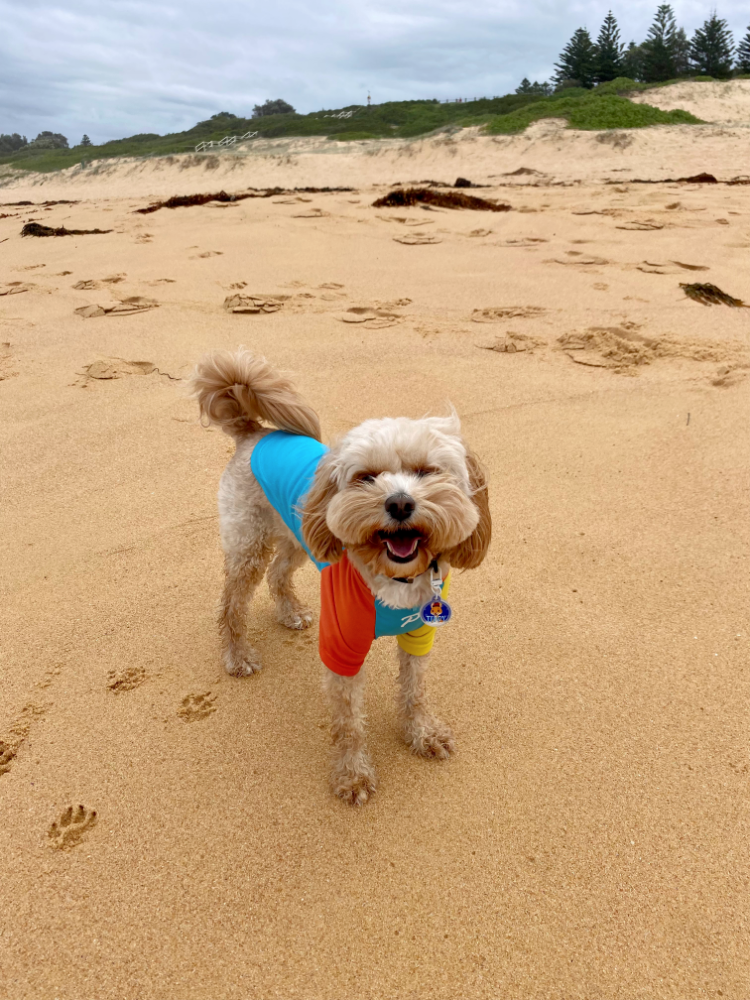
x=436, y=612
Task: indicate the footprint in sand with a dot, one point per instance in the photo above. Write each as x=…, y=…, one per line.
x=8, y=367
x=126, y=679
x=106, y=369
x=16, y=287
x=376, y=317
x=618, y=348
x=69, y=829
x=493, y=314
x=125, y=307
x=523, y=242
x=7, y=756
x=641, y=227
x=514, y=343
x=417, y=239
x=577, y=258
x=726, y=376
x=197, y=706
x=208, y=253
x=254, y=303
x=314, y=213
x=91, y=283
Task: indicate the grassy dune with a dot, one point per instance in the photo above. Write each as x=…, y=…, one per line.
x=601, y=108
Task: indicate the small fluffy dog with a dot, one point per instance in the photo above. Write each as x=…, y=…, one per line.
x=384, y=514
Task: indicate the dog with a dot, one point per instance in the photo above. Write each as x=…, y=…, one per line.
x=384, y=514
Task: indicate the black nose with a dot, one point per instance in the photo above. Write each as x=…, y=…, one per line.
x=400, y=506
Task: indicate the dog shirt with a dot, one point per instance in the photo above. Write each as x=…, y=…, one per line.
x=351, y=617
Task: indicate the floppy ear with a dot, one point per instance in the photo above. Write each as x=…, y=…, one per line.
x=469, y=553
x=321, y=542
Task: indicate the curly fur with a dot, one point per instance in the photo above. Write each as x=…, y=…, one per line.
x=347, y=507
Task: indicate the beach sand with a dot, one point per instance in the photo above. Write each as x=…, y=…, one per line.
x=589, y=839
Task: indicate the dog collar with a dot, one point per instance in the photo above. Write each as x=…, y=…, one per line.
x=433, y=567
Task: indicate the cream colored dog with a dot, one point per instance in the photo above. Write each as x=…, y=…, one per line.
x=394, y=503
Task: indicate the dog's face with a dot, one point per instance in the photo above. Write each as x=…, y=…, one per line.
x=399, y=493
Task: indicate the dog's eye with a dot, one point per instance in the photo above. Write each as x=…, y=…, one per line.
x=365, y=477
x=424, y=472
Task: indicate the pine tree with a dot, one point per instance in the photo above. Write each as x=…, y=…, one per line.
x=743, y=54
x=659, y=47
x=632, y=62
x=577, y=60
x=682, y=64
x=85, y=141
x=608, y=51
x=534, y=89
x=712, y=46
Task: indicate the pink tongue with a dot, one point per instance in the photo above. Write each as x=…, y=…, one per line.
x=402, y=547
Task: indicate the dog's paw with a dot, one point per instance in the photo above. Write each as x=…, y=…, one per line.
x=241, y=661
x=429, y=737
x=353, y=779
x=294, y=616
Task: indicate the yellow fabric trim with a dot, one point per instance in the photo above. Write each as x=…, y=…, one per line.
x=419, y=642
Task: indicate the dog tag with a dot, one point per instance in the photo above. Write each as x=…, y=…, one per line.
x=436, y=611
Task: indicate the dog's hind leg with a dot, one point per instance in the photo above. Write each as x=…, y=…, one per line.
x=289, y=609
x=243, y=570
x=352, y=774
x=425, y=734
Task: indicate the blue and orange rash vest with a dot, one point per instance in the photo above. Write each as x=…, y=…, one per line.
x=350, y=614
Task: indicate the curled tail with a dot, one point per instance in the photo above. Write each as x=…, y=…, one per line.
x=240, y=392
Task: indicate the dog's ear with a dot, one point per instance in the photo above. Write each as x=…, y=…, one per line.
x=321, y=542
x=469, y=553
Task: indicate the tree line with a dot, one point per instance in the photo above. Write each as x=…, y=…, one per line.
x=45, y=140
x=665, y=54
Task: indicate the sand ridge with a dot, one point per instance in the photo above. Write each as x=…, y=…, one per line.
x=172, y=831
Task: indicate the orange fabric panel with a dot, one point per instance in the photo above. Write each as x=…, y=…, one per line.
x=347, y=618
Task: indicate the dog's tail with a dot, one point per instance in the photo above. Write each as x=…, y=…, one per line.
x=240, y=392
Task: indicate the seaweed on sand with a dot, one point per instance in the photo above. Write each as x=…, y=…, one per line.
x=710, y=295
x=439, y=199
x=36, y=229
x=189, y=200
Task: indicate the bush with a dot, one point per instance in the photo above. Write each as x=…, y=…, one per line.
x=590, y=113
x=620, y=85
x=10, y=143
x=277, y=107
x=49, y=140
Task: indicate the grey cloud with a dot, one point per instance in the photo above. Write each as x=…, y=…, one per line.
x=112, y=69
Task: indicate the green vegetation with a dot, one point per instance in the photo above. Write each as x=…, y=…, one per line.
x=600, y=108
x=587, y=110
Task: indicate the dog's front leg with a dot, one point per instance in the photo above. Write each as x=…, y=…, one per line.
x=352, y=774
x=424, y=733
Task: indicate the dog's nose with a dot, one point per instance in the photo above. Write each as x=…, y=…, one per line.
x=400, y=506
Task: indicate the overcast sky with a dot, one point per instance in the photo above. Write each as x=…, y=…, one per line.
x=113, y=68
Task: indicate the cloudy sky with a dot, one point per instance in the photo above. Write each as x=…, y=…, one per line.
x=113, y=68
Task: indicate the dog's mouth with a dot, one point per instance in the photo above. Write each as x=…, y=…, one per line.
x=401, y=546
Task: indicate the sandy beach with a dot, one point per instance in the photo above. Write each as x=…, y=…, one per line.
x=589, y=839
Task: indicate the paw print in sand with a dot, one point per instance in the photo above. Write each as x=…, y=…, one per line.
x=68, y=830
x=197, y=706
x=7, y=753
x=126, y=680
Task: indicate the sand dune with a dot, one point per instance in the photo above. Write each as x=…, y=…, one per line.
x=721, y=102
x=168, y=831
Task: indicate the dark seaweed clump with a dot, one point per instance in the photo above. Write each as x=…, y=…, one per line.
x=35, y=229
x=189, y=200
x=710, y=295
x=439, y=199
